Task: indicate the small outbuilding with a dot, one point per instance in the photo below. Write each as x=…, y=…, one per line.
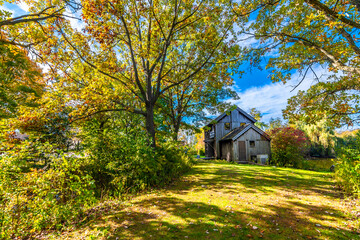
x=234, y=137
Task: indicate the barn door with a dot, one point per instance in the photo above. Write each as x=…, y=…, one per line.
x=242, y=151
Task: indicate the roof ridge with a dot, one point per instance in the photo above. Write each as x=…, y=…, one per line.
x=221, y=116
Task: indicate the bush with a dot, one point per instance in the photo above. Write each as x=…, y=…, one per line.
x=39, y=199
x=347, y=171
x=43, y=188
x=288, y=146
x=347, y=168
x=125, y=163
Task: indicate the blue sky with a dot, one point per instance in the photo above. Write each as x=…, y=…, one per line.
x=254, y=87
x=256, y=90
x=17, y=10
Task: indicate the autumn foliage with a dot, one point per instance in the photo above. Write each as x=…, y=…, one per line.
x=288, y=146
x=102, y=103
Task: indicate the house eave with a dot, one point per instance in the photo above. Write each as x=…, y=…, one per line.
x=253, y=120
x=241, y=133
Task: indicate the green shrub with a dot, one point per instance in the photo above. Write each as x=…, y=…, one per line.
x=347, y=168
x=125, y=163
x=39, y=199
x=42, y=188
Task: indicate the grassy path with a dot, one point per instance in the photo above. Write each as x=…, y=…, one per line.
x=218, y=200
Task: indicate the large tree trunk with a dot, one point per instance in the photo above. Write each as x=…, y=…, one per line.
x=177, y=123
x=176, y=132
x=150, y=125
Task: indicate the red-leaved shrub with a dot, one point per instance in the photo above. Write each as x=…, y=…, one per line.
x=288, y=146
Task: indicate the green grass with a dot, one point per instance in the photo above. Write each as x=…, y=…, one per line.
x=319, y=164
x=219, y=200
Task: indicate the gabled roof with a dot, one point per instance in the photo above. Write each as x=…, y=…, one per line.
x=234, y=132
x=238, y=132
x=240, y=110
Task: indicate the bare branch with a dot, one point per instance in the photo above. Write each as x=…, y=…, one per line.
x=307, y=69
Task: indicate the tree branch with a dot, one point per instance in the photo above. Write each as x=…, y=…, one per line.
x=325, y=9
x=95, y=67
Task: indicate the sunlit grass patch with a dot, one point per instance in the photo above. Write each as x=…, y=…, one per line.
x=219, y=200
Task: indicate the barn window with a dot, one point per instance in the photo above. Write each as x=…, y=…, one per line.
x=227, y=126
x=242, y=124
x=252, y=144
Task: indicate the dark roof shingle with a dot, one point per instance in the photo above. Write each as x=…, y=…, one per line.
x=233, y=133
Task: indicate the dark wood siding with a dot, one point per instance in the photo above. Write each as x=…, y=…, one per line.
x=242, y=151
x=261, y=146
x=209, y=149
x=226, y=150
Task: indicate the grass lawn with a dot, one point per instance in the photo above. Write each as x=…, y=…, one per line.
x=218, y=200
x=320, y=164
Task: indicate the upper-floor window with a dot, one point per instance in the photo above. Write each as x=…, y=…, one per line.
x=252, y=144
x=227, y=126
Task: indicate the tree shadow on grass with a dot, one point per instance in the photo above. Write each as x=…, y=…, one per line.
x=173, y=214
x=198, y=220
x=188, y=220
x=303, y=221
x=260, y=179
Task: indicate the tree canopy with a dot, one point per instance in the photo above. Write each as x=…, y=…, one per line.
x=139, y=51
x=20, y=80
x=303, y=34
x=21, y=38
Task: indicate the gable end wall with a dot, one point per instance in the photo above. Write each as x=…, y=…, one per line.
x=261, y=146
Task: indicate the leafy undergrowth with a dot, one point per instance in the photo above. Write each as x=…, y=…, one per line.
x=218, y=200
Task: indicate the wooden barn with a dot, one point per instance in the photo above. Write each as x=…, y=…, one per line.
x=234, y=137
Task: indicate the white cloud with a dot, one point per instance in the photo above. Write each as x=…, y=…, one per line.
x=23, y=6
x=272, y=98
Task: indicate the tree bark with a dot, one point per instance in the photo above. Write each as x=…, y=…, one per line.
x=177, y=124
x=150, y=124
x=176, y=131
